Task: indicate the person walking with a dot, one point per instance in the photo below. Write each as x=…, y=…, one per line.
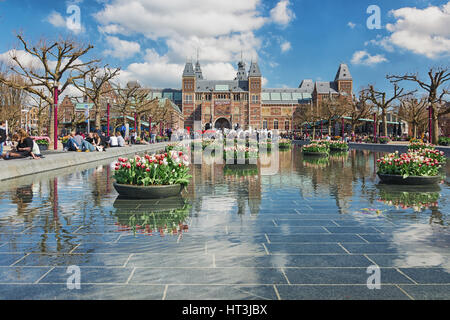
x=2, y=136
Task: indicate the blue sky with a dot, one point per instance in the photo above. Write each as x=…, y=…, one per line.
x=291, y=39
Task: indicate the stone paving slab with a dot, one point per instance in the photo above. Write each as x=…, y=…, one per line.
x=292, y=261
x=86, y=292
x=340, y=292
x=427, y=292
x=207, y=276
x=220, y=292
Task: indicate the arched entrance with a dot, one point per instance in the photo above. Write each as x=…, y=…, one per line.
x=222, y=123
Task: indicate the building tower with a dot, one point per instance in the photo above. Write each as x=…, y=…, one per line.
x=188, y=94
x=198, y=71
x=254, y=88
x=344, y=80
x=242, y=73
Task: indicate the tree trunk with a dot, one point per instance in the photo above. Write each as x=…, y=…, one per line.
x=435, y=137
x=98, y=119
x=353, y=132
x=51, y=127
x=414, y=130
x=138, y=124
x=329, y=129
x=385, y=127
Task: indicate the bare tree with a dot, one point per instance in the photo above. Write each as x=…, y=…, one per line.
x=360, y=108
x=12, y=100
x=380, y=100
x=436, y=93
x=414, y=111
x=42, y=111
x=58, y=62
x=332, y=109
x=95, y=86
x=306, y=114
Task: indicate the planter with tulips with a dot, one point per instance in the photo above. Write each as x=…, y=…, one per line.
x=338, y=146
x=316, y=149
x=284, y=144
x=238, y=154
x=408, y=169
x=152, y=177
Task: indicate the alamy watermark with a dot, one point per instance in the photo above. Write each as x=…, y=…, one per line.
x=374, y=280
x=74, y=280
x=73, y=20
x=374, y=20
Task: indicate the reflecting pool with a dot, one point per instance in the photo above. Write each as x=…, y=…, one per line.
x=310, y=230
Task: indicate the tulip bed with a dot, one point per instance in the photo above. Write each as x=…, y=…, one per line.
x=284, y=144
x=162, y=169
x=339, y=146
x=316, y=147
x=408, y=164
x=240, y=152
x=433, y=154
x=414, y=146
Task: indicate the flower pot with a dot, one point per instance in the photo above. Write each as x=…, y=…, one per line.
x=43, y=147
x=150, y=192
x=339, y=149
x=412, y=180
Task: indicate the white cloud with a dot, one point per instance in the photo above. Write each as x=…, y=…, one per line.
x=286, y=46
x=56, y=19
x=219, y=29
x=24, y=58
x=121, y=49
x=264, y=81
x=383, y=42
x=161, y=18
x=282, y=14
x=364, y=58
x=422, y=31
x=351, y=25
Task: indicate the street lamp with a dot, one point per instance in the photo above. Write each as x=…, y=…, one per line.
x=375, y=127
x=55, y=128
x=108, y=107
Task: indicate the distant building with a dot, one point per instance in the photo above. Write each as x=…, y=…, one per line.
x=243, y=102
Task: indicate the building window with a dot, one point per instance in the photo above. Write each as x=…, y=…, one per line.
x=255, y=99
x=198, y=96
x=254, y=85
x=275, y=124
x=188, y=98
x=208, y=97
x=264, y=124
x=237, y=97
x=286, y=125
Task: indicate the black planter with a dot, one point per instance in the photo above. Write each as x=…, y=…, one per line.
x=43, y=147
x=315, y=154
x=338, y=150
x=398, y=179
x=150, y=192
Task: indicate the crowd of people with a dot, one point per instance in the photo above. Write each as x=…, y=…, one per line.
x=23, y=145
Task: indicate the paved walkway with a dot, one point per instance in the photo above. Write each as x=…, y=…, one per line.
x=57, y=160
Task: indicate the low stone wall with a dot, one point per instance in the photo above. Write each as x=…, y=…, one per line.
x=53, y=161
x=388, y=148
